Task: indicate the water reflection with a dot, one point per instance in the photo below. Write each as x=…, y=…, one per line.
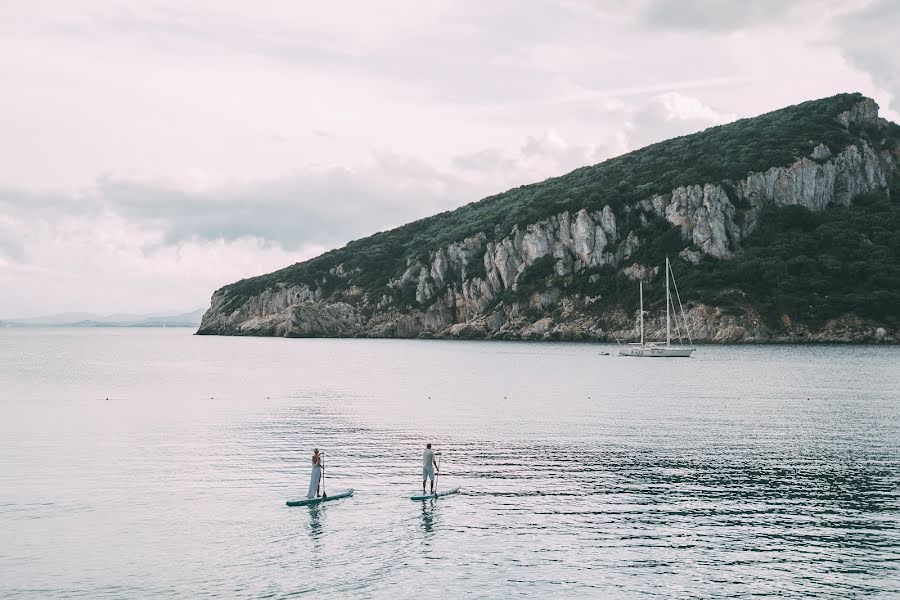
x=316, y=513
x=427, y=517
x=315, y=522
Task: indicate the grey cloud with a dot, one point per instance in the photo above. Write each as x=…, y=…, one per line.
x=12, y=243
x=322, y=206
x=170, y=27
x=660, y=117
x=44, y=205
x=497, y=52
x=326, y=207
x=546, y=155
x=869, y=40
x=670, y=115
x=403, y=168
x=472, y=52
x=490, y=159
x=714, y=15
x=539, y=157
x=24, y=214
x=552, y=147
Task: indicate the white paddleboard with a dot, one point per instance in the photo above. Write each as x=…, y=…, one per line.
x=328, y=498
x=437, y=495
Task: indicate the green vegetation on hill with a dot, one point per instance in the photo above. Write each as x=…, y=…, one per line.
x=724, y=152
x=812, y=266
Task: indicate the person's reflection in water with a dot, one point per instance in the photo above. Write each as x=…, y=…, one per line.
x=315, y=526
x=428, y=516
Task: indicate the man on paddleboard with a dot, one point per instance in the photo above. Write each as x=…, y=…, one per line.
x=428, y=467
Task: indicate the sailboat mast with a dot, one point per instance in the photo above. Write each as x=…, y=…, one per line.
x=642, y=311
x=668, y=300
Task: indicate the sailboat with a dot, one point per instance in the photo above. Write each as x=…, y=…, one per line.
x=661, y=349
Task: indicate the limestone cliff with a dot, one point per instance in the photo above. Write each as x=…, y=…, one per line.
x=535, y=279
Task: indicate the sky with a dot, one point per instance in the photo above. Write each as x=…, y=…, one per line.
x=153, y=151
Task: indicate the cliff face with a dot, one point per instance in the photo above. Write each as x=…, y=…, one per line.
x=514, y=284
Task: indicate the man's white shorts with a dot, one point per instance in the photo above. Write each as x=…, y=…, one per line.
x=427, y=473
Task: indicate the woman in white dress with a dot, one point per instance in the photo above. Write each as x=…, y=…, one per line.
x=316, y=476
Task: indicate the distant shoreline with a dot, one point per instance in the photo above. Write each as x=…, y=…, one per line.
x=14, y=325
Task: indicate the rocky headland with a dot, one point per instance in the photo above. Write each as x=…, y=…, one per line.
x=572, y=273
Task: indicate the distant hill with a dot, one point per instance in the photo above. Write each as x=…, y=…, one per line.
x=190, y=319
x=783, y=227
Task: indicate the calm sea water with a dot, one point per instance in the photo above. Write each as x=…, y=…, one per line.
x=153, y=463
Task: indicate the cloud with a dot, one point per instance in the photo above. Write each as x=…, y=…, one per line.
x=869, y=40
x=716, y=15
x=323, y=206
x=541, y=156
x=465, y=51
x=316, y=205
x=12, y=243
x=103, y=264
x=865, y=32
x=549, y=154
x=487, y=160
x=670, y=115
x=149, y=244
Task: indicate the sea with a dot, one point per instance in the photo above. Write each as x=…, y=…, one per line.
x=153, y=463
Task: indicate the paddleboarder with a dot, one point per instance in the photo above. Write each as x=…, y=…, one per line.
x=316, y=477
x=428, y=467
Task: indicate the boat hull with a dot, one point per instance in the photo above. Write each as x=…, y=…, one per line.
x=657, y=352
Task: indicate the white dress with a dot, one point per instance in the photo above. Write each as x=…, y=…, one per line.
x=314, y=481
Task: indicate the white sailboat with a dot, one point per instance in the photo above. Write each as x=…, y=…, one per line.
x=662, y=349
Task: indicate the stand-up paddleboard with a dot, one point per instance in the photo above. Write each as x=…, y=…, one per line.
x=328, y=498
x=436, y=495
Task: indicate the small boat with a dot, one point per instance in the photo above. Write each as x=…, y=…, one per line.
x=663, y=349
x=603, y=353
x=436, y=494
x=330, y=497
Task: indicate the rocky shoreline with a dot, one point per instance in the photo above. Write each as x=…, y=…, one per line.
x=708, y=325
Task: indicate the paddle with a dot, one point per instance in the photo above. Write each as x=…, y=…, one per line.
x=322, y=465
x=436, y=475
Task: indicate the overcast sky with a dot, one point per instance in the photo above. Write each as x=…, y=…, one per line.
x=151, y=152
